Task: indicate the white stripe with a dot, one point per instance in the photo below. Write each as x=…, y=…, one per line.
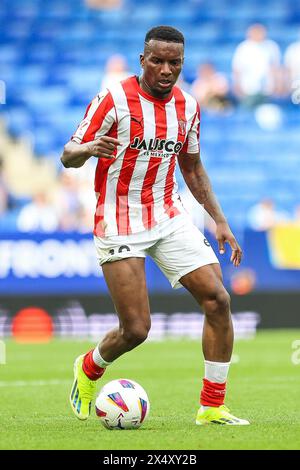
x=175, y=197
x=140, y=170
x=160, y=183
x=33, y=383
x=190, y=110
x=123, y=119
x=108, y=121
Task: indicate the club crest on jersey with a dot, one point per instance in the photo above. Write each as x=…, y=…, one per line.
x=157, y=145
x=182, y=126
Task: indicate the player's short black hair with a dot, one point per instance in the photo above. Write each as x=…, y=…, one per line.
x=165, y=33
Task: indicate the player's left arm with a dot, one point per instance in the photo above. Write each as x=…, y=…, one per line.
x=199, y=184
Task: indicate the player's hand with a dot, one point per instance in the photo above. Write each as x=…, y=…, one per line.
x=104, y=147
x=225, y=235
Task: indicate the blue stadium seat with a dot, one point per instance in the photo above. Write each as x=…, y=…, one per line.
x=52, y=58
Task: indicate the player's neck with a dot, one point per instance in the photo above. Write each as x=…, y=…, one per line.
x=145, y=87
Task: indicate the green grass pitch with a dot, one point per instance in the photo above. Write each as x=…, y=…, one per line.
x=264, y=387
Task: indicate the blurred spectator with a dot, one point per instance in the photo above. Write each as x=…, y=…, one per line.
x=256, y=67
x=211, y=88
x=263, y=215
x=292, y=63
x=103, y=3
x=87, y=207
x=3, y=191
x=39, y=215
x=85, y=222
x=75, y=200
x=66, y=201
x=116, y=70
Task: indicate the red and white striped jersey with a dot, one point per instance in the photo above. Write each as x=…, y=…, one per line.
x=137, y=189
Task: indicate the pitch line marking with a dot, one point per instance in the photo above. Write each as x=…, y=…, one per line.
x=32, y=383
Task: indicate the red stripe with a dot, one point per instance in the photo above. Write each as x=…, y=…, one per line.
x=87, y=110
x=98, y=117
x=130, y=158
x=169, y=207
x=100, y=413
x=147, y=193
x=100, y=187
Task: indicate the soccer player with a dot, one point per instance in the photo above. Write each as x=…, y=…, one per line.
x=138, y=129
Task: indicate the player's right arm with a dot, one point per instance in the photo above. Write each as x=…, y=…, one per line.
x=75, y=155
x=92, y=135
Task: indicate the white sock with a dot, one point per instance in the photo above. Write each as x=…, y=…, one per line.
x=98, y=359
x=215, y=372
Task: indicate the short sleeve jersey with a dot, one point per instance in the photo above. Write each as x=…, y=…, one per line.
x=137, y=189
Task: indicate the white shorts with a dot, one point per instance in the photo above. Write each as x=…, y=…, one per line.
x=176, y=245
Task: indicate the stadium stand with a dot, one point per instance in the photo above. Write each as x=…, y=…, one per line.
x=52, y=60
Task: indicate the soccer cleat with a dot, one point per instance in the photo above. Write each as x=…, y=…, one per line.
x=83, y=391
x=219, y=415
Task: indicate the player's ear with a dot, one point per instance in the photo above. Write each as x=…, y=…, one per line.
x=142, y=59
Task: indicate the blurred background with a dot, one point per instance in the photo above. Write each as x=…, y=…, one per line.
x=242, y=63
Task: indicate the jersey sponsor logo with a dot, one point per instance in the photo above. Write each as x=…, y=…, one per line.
x=157, y=145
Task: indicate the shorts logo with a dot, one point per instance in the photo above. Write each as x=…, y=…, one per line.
x=120, y=250
x=206, y=242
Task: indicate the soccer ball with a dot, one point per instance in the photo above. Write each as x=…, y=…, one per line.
x=122, y=404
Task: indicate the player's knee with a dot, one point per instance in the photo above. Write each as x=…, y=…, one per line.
x=223, y=301
x=217, y=305
x=135, y=335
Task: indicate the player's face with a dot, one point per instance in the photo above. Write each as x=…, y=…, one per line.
x=162, y=63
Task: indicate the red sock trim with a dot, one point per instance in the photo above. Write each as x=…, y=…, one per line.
x=212, y=393
x=90, y=368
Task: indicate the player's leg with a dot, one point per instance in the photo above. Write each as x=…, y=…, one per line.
x=127, y=285
x=126, y=281
x=187, y=259
x=206, y=286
